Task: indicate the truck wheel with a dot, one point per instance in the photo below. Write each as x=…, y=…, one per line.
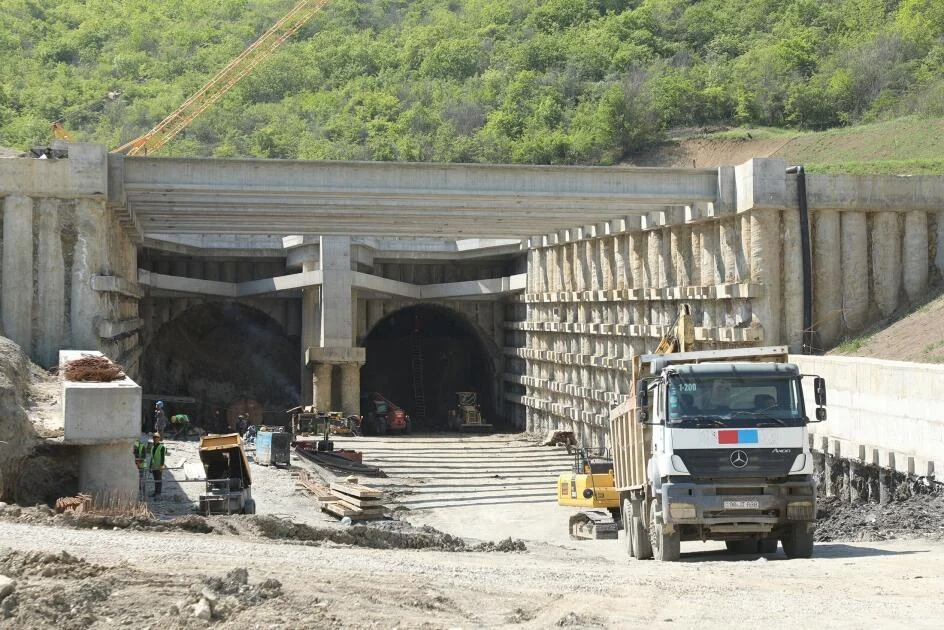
x=797, y=541
x=627, y=518
x=768, y=545
x=745, y=547
x=642, y=548
x=249, y=507
x=665, y=547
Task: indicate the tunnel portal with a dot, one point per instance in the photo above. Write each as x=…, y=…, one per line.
x=223, y=355
x=454, y=358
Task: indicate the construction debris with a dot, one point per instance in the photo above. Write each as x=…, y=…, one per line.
x=349, y=499
x=104, y=504
x=93, y=369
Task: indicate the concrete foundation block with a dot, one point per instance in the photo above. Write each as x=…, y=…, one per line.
x=99, y=412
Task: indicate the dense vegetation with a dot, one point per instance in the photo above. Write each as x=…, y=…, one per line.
x=540, y=81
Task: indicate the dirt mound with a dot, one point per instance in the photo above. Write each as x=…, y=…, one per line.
x=377, y=535
x=59, y=590
x=918, y=516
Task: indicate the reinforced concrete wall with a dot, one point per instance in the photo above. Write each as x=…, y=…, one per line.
x=880, y=413
x=600, y=294
x=68, y=259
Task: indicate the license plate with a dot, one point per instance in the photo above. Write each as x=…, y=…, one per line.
x=741, y=505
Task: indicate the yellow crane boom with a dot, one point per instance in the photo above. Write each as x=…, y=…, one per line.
x=224, y=80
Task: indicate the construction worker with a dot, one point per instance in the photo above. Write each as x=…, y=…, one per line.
x=158, y=457
x=160, y=418
x=181, y=425
x=141, y=452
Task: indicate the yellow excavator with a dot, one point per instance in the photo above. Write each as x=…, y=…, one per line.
x=590, y=484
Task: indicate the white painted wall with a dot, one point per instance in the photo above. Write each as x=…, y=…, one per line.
x=889, y=413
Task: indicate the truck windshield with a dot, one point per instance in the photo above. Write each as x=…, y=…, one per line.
x=729, y=401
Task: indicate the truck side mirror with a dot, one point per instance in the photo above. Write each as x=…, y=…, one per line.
x=820, y=414
x=819, y=391
x=642, y=394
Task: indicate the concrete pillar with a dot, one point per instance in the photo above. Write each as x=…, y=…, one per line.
x=567, y=255
x=322, y=386
x=939, y=250
x=17, y=272
x=592, y=253
x=621, y=262
x=658, y=261
x=337, y=313
x=108, y=470
x=580, y=267
x=351, y=388
x=886, y=262
x=765, y=270
x=681, y=249
x=729, y=243
x=792, y=281
x=827, y=291
x=854, y=253
x=50, y=286
x=855, y=483
x=711, y=270
x=607, y=263
x=915, y=255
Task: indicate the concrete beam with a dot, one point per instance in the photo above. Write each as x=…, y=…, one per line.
x=83, y=174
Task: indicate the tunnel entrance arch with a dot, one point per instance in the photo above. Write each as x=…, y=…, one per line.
x=455, y=355
x=218, y=354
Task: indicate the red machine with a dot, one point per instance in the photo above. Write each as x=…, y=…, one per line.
x=382, y=416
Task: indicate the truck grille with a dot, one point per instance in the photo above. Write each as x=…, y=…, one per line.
x=724, y=462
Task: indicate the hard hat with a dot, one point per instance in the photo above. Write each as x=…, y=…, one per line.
x=160, y=403
x=156, y=435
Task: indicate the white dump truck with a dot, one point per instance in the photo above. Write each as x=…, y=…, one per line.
x=713, y=445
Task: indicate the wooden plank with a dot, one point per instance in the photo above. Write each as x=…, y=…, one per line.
x=355, y=490
x=340, y=510
x=358, y=503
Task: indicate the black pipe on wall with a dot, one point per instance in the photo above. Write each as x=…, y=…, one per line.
x=807, y=256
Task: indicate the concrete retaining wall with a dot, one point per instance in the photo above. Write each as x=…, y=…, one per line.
x=597, y=295
x=881, y=413
x=68, y=259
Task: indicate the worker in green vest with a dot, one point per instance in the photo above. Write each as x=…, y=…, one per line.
x=140, y=451
x=158, y=456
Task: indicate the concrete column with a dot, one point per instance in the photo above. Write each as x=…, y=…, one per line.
x=567, y=255
x=681, y=236
x=711, y=270
x=792, y=281
x=658, y=261
x=351, y=388
x=854, y=253
x=939, y=250
x=915, y=255
x=580, y=266
x=17, y=272
x=886, y=261
x=621, y=261
x=337, y=313
x=607, y=263
x=765, y=270
x=108, y=470
x=50, y=285
x=729, y=243
x=827, y=290
x=322, y=386
x=592, y=253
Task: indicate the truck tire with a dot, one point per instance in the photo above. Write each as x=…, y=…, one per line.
x=627, y=519
x=665, y=547
x=743, y=547
x=797, y=541
x=249, y=507
x=768, y=545
x=642, y=548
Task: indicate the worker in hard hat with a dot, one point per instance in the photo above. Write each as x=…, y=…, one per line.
x=180, y=422
x=160, y=418
x=158, y=458
x=142, y=449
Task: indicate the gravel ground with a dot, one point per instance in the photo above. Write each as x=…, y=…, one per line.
x=266, y=572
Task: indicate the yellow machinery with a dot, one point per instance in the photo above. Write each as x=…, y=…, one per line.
x=467, y=416
x=220, y=84
x=590, y=484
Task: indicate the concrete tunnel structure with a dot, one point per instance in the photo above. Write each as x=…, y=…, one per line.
x=198, y=275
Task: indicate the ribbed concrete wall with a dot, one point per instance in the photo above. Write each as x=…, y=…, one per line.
x=68, y=259
x=884, y=413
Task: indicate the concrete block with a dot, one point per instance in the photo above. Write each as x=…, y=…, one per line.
x=99, y=412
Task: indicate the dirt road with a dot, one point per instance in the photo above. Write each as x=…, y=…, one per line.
x=482, y=487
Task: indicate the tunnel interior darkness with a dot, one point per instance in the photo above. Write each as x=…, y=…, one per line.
x=220, y=353
x=454, y=359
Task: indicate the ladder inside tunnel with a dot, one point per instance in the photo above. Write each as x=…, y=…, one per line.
x=416, y=359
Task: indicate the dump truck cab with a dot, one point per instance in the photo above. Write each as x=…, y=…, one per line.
x=728, y=453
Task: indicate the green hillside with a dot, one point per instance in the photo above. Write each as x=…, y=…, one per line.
x=530, y=81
